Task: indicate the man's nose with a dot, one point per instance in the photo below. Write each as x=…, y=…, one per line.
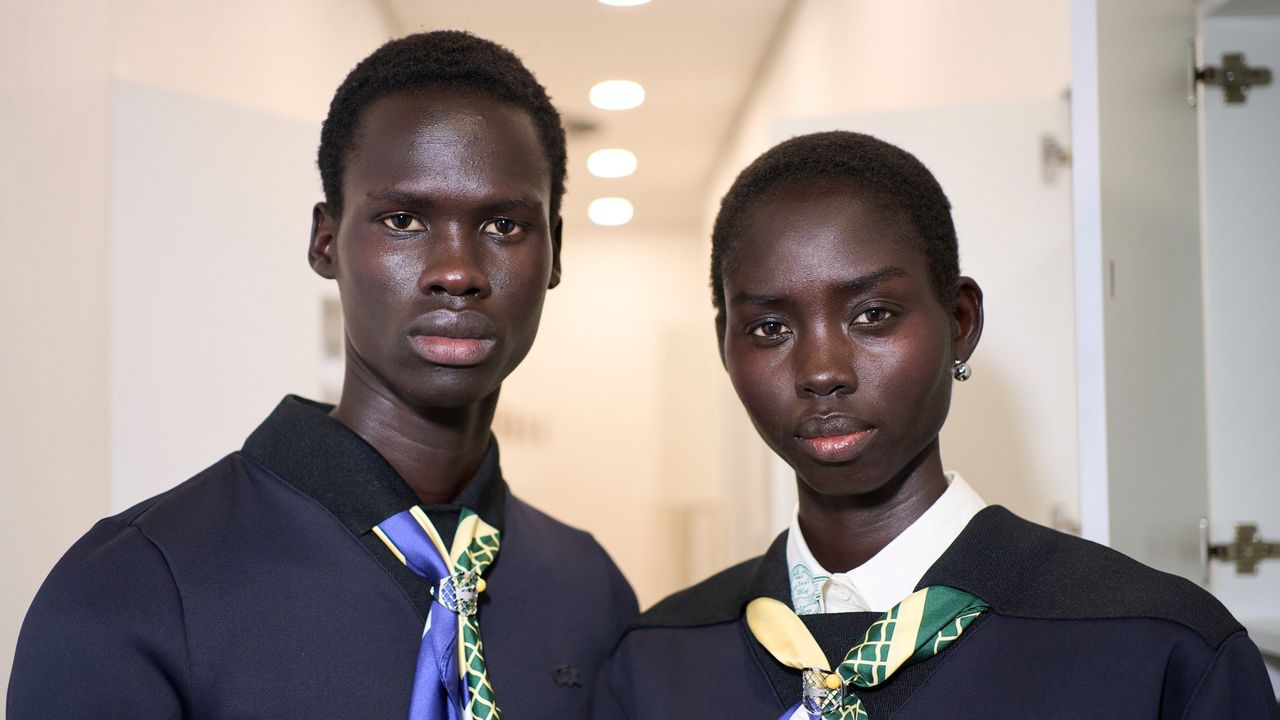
x=454, y=266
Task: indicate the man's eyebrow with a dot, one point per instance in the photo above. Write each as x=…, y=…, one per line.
x=516, y=203
x=853, y=286
x=411, y=199
x=399, y=197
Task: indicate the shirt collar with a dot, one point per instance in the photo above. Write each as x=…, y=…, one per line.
x=890, y=575
x=309, y=449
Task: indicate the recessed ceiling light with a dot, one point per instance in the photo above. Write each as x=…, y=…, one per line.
x=611, y=163
x=624, y=3
x=610, y=211
x=616, y=95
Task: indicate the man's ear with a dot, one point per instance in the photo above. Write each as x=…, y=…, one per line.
x=967, y=318
x=320, y=251
x=557, y=230
x=720, y=336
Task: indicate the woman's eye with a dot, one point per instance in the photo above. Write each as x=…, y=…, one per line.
x=403, y=222
x=502, y=227
x=872, y=316
x=770, y=329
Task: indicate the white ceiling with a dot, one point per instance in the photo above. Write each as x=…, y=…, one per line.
x=695, y=58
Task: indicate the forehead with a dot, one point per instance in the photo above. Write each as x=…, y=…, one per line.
x=820, y=233
x=439, y=142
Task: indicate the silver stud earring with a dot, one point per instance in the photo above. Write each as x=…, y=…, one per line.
x=961, y=371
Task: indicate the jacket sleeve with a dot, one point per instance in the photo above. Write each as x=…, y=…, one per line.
x=1235, y=686
x=104, y=637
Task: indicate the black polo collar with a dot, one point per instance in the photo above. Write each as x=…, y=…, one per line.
x=324, y=459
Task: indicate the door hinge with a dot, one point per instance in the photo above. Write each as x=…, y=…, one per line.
x=1234, y=76
x=1246, y=550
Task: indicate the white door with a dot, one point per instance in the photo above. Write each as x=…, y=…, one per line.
x=1176, y=318
x=1241, y=184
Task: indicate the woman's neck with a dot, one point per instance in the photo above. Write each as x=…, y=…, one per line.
x=846, y=531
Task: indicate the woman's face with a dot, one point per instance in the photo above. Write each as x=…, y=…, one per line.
x=835, y=340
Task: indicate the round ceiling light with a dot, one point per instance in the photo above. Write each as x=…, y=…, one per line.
x=611, y=211
x=616, y=95
x=611, y=163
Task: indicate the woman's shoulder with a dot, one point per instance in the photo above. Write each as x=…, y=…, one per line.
x=714, y=600
x=1026, y=570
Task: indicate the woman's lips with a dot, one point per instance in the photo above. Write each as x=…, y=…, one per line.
x=835, y=437
x=837, y=448
x=454, y=352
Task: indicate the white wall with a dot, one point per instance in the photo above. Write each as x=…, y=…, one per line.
x=101, y=216
x=215, y=313
x=847, y=56
x=839, y=60
x=54, y=106
x=606, y=423
x=280, y=57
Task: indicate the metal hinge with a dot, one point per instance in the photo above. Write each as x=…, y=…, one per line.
x=1246, y=551
x=1235, y=77
x=1055, y=158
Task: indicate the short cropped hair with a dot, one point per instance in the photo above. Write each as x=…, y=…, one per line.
x=882, y=171
x=449, y=59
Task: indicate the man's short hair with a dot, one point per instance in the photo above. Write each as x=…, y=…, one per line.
x=449, y=59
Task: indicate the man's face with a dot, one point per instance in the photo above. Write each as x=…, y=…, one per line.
x=444, y=250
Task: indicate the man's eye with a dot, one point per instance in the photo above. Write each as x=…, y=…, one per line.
x=403, y=222
x=769, y=329
x=502, y=227
x=872, y=316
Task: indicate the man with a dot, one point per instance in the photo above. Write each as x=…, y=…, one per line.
x=293, y=578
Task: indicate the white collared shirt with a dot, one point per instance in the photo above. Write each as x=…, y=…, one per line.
x=892, y=574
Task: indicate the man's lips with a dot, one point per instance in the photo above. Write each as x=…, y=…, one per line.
x=455, y=338
x=834, y=438
x=457, y=352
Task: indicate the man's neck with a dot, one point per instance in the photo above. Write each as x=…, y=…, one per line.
x=436, y=451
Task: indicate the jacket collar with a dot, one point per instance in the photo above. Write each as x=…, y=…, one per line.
x=307, y=448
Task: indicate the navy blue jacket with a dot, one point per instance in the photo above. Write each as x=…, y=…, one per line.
x=1076, y=630
x=240, y=595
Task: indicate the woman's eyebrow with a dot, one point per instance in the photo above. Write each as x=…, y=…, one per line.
x=871, y=280
x=856, y=285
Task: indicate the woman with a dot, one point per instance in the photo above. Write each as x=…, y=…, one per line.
x=843, y=323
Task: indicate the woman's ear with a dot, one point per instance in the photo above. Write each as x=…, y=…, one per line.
x=320, y=251
x=966, y=316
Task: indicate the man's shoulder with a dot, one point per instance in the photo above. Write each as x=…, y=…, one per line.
x=1026, y=570
x=224, y=491
x=551, y=535
x=537, y=548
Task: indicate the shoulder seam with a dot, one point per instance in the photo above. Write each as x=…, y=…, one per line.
x=1208, y=670
x=182, y=607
